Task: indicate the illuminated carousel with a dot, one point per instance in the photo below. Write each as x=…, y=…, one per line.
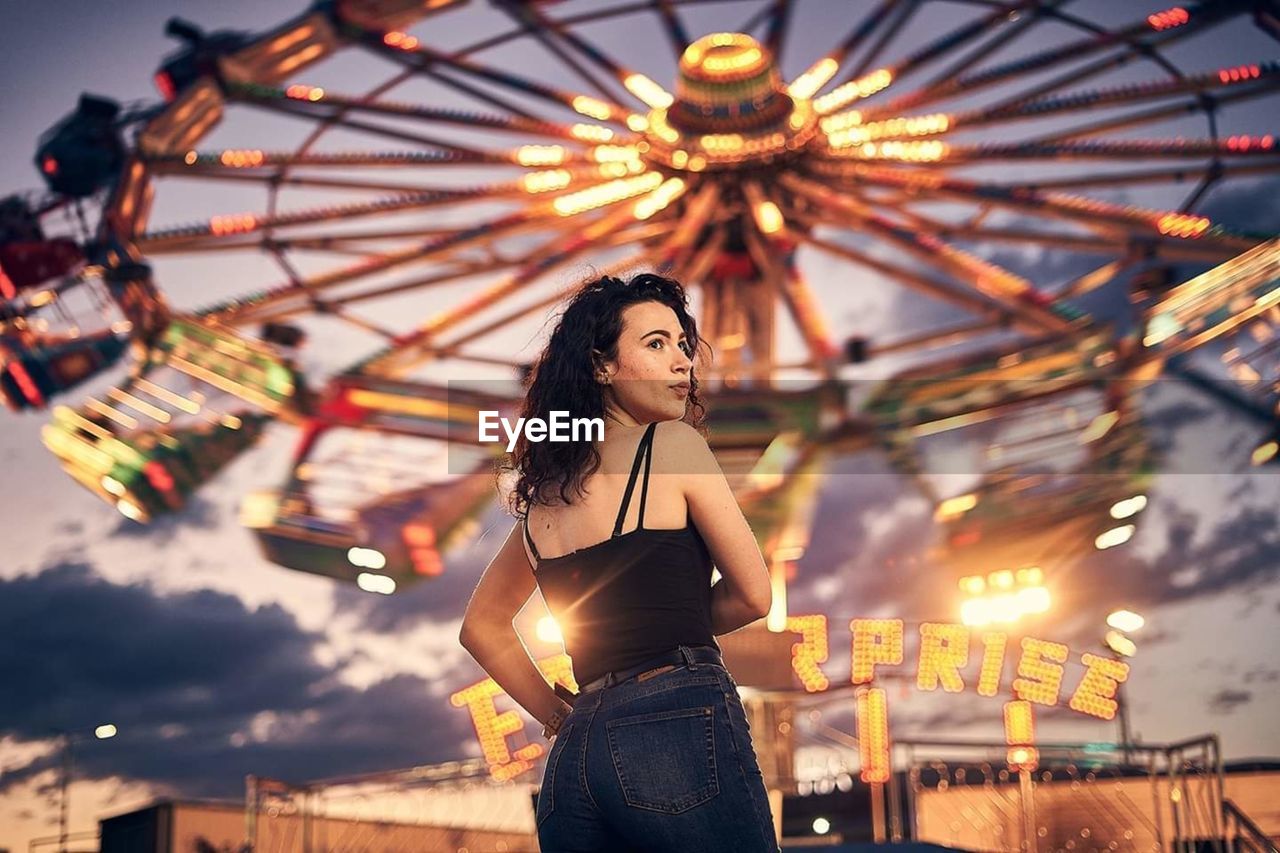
x=420, y=225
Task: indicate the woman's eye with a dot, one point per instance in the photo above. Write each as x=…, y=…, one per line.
x=684, y=346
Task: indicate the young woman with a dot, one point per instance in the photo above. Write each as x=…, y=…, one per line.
x=654, y=751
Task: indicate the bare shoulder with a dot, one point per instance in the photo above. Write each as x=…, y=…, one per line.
x=680, y=449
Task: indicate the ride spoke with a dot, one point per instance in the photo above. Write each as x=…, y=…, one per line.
x=316, y=103
x=543, y=28
x=1138, y=38
x=983, y=276
x=676, y=33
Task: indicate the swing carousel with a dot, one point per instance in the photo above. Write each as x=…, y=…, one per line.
x=986, y=175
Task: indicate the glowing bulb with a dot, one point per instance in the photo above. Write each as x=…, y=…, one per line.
x=1113, y=537
x=380, y=584
x=367, y=558
x=1128, y=507
x=768, y=217
x=1125, y=620
x=1120, y=644
x=808, y=83
x=648, y=91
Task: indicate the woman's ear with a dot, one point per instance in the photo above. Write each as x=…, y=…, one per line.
x=599, y=369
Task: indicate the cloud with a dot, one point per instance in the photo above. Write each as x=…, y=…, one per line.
x=202, y=689
x=1226, y=701
x=1236, y=555
x=1247, y=206
x=1263, y=674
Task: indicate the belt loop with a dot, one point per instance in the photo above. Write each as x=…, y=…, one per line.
x=688, y=657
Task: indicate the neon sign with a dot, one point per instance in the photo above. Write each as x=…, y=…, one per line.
x=944, y=651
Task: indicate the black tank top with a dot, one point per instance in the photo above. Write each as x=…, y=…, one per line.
x=633, y=596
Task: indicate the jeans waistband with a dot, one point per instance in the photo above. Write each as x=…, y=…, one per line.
x=691, y=655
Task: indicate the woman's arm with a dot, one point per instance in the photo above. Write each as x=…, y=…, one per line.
x=728, y=611
x=743, y=593
x=489, y=634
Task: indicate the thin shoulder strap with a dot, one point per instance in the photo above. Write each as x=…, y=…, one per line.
x=529, y=539
x=642, y=450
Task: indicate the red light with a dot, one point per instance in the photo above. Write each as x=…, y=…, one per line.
x=159, y=477
x=7, y=288
x=1240, y=72
x=421, y=539
x=26, y=383
x=49, y=165
x=164, y=83
x=427, y=562
x=1175, y=17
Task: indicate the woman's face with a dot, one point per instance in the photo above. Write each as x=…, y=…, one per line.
x=653, y=362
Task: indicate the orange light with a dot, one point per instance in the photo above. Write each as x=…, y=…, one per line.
x=875, y=641
x=1096, y=692
x=400, y=41
x=1040, y=671
x=592, y=107
x=421, y=539
x=1020, y=735
x=541, y=182
x=952, y=508
x=810, y=651
x=817, y=75
x=871, y=706
x=1264, y=453
x=648, y=91
x=993, y=645
x=233, y=224
x=493, y=728
x=540, y=155
x=591, y=132
x=241, y=158
x=1182, y=225
x=863, y=87
x=944, y=649
x=670, y=190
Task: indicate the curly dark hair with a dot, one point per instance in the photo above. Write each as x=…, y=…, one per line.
x=563, y=379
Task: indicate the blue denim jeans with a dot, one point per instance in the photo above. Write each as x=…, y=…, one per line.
x=660, y=765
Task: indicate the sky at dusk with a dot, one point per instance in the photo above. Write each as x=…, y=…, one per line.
x=214, y=663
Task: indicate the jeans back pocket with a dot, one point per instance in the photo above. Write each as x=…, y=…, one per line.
x=665, y=760
x=546, y=793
